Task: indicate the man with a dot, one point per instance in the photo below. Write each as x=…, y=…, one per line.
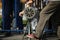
x=45, y=14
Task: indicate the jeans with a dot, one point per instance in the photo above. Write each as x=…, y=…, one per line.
x=45, y=15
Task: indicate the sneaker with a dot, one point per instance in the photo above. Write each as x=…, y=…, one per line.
x=30, y=36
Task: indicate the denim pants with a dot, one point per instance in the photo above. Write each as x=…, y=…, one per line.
x=8, y=7
x=45, y=15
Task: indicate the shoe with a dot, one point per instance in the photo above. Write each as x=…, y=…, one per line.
x=32, y=36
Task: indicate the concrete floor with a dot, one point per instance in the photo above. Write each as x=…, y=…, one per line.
x=20, y=37
x=15, y=37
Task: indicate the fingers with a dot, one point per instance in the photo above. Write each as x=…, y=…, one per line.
x=21, y=13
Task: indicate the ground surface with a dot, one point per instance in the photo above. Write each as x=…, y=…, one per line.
x=20, y=37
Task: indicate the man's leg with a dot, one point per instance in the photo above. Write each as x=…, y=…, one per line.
x=45, y=14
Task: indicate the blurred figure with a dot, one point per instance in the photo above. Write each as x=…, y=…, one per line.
x=8, y=8
x=51, y=8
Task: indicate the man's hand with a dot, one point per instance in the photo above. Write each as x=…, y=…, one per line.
x=21, y=13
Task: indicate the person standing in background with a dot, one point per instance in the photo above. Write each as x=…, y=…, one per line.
x=8, y=7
